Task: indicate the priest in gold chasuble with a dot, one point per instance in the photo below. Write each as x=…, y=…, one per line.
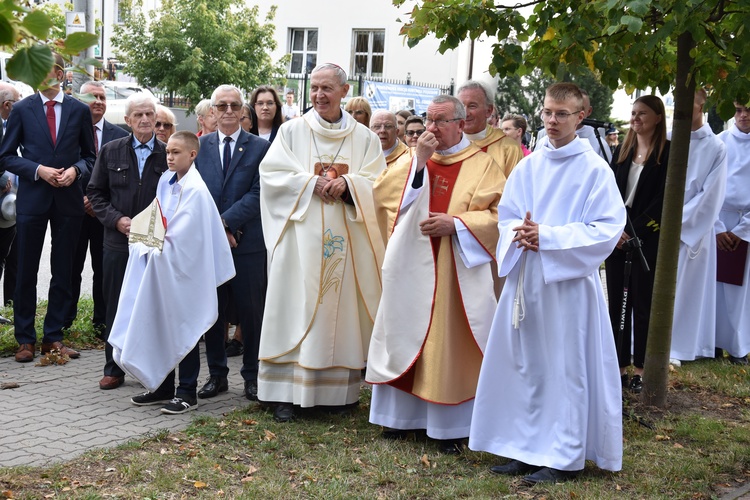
x=438, y=299
x=325, y=253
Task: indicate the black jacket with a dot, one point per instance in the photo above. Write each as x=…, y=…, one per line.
x=116, y=190
x=645, y=214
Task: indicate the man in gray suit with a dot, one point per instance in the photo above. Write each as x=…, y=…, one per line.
x=92, y=231
x=228, y=161
x=8, y=95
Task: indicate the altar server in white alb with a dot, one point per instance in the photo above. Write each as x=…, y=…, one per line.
x=168, y=297
x=694, y=324
x=549, y=392
x=732, y=228
x=325, y=253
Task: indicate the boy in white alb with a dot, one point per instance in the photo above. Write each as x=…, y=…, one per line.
x=551, y=343
x=168, y=297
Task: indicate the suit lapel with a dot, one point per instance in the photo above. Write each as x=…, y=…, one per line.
x=213, y=150
x=38, y=110
x=64, y=115
x=239, y=150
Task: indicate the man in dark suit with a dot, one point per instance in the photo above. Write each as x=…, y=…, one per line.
x=228, y=161
x=8, y=96
x=123, y=183
x=92, y=230
x=55, y=133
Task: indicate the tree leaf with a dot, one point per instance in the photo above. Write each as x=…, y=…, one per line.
x=7, y=31
x=76, y=42
x=634, y=24
x=38, y=23
x=30, y=65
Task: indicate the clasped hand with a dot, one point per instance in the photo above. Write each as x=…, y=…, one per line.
x=527, y=234
x=57, y=177
x=727, y=241
x=329, y=190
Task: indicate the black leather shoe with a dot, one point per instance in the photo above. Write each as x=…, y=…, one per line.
x=451, y=446
x=636, y=384
x=514, y=468
x=738, y=361
x=213, y=386
x=395, y=434
x=550, y=475
x=251, y=390
x=284, y=412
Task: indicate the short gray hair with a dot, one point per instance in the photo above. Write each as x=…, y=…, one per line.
x=489, y=97
x=92, y=83
x=385, y=113
x=458, y=107
x=224, y=88
x=137, y=99
x=7, y=92
x=337, y=70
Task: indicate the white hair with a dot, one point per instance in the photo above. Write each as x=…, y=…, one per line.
x=225, y=88
x=137, y=99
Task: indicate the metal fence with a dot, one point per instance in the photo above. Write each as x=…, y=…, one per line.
x=300, y=84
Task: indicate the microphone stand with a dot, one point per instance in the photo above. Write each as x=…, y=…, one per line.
x=633, y=245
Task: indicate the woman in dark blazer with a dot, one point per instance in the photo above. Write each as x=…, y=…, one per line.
x=640, y=166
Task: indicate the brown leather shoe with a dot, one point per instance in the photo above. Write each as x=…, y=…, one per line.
x=25, y=353
x=62, y=348
x=108, y=382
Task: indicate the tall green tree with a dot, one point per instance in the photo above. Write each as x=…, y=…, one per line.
x=190, y=47
x=663, y=44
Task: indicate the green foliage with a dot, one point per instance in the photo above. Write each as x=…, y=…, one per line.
x=25, y=32
x=625, y=42
x=192, y=46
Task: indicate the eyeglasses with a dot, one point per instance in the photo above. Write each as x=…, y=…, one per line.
x=560, y=116
x=415, y=132
x=164, y=124
x=244, y=117
x=268, y=104
x=235, y=106
x=375, y=128
x=356, y=112
x=440, y=123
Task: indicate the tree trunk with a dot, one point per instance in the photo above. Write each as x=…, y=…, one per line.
x=656, y=367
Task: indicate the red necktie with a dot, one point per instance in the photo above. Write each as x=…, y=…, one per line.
x=51, y=120
x=96, y=142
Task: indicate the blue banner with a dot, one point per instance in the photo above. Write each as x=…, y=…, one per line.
x=395, y=97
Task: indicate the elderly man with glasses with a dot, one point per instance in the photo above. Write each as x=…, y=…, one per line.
x=228, y=161
x=385, y=125
x=437, y=304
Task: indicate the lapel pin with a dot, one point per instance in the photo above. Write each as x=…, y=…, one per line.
x=241, y=150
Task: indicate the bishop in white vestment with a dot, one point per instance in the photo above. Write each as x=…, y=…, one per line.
x=325, y=253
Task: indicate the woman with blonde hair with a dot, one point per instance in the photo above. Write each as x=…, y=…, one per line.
x=640, y=166
x=360, y=109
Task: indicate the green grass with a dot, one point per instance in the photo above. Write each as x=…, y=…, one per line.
x=696, y=449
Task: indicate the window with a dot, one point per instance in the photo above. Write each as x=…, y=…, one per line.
x=368, y=51
x=303, y=47
x=120, y=11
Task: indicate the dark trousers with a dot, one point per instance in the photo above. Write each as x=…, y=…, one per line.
x=31, y=230
x=249, y=290
x=189, y=369
x=91, y=239
x=640, y=292
x=8, y=261
x=114, y=264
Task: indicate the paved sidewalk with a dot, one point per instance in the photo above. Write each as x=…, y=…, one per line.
x=59, y=412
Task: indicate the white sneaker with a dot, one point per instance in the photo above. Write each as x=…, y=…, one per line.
x=675, y=362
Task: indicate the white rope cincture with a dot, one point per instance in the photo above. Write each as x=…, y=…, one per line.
x=519, y=303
